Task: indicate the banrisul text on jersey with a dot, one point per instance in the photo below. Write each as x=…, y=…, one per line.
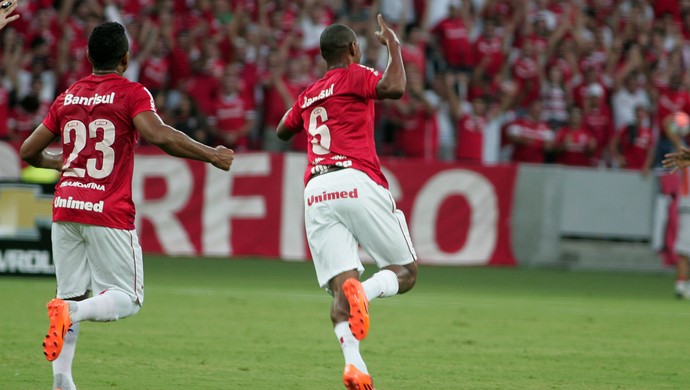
x=308, y=101
x=89, y=101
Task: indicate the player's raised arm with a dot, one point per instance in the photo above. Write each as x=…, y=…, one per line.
x=178, y=144
x=392, y=84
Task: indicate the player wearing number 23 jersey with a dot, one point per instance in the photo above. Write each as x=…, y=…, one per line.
x=338, y=113
x=98, y=261
x=94, y=117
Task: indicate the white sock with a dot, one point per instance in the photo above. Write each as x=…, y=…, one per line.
x=63, y=364
x=381, y=284
x=350, y=346
x=108, y=306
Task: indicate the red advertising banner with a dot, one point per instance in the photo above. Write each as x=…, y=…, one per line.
x=457, y=214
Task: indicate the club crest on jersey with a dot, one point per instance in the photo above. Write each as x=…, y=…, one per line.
x=89, y=101
x=308, y=101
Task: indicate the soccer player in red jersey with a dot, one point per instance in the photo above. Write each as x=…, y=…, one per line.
x=346, y=198
x=95, y=246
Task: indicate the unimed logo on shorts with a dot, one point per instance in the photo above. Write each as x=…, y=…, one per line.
x=74, y=204
x=332, y=195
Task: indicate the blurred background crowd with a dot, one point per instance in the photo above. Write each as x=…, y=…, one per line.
x=576, y=82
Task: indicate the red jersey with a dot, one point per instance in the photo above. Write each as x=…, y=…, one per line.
x=526, y=74
x=337, y=111
x=536, y=134
x=599, y=123
x=492, y=48
x=671, y=101
x=574, y=144
x=418, y=137
x=94, y=118
x=231, y=114
x=470, y=142
x=154, y=73
x=454, y=39
x=634, y=144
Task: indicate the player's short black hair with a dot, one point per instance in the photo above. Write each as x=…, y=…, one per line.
x=107, y=45
x=335, y=40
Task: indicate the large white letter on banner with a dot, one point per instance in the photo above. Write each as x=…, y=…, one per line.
x=171, y=234
x=9, y=169
x=220, y=206
x=292, y=209
x=482, y=233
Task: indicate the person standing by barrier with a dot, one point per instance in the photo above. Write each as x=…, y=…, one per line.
x=95, y=246
x=346, y=198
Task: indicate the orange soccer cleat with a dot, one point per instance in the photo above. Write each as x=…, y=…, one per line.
x=58, y=312
x=355, y=379
x=359, y=308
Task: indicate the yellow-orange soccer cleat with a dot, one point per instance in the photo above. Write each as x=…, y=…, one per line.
x=355, y=379
x=359, y=308
x=58, y=312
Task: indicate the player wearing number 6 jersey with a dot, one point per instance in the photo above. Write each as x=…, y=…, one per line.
x=95, y=246
x=346, y=197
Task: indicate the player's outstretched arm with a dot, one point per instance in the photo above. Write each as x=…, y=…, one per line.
x=33, y=150
x=178, y=144
x=392, y=84
x=677, y=160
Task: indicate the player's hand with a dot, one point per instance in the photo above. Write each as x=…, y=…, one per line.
x=677, y=160
x=385, y=33
x=223, y=158
x=5, y=12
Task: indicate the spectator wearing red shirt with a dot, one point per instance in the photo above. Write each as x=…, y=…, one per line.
x=234, y=117
x=469, y=144
x=530, y=137
x=418, y=135
x=181, y=56
x=526, y=74
x=598, y=121
x=472, y=125
x=491, y=47
x=203, y=87
x=155, y=66
x=574, y=145
x=453, y=37
x=633, y=146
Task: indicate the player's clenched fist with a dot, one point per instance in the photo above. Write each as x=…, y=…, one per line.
x=223, y=158
x=385, y=33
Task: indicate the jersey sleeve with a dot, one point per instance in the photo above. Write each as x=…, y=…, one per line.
x=51, y=121
x=141, y=100
x=293, y=119
x=363, y=81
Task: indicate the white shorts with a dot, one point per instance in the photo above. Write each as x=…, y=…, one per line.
x=344, y=209
x=682, y=246
x=96, y=258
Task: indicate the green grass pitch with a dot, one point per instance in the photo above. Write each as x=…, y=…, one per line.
x=253, y=324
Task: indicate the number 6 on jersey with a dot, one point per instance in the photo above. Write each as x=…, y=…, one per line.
x=320, y=145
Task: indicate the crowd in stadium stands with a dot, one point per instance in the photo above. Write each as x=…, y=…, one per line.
x=576, y=82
